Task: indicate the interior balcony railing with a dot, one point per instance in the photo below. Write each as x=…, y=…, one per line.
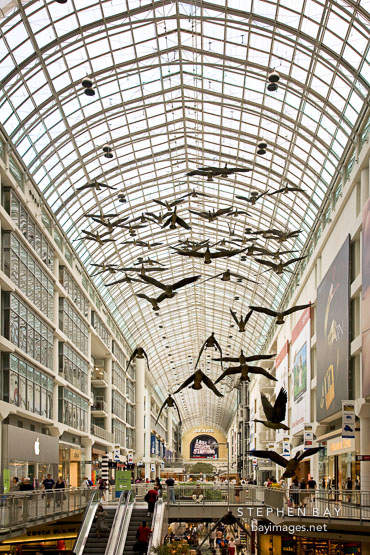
x=20, y=510
x=97, y=431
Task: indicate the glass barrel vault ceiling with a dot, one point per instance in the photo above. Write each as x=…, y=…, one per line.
x=178, y=85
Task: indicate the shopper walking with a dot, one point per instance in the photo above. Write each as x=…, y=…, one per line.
x=151, y=498
x=48, y=485
x=142, y=536
x=170, y=483
x=101, y=521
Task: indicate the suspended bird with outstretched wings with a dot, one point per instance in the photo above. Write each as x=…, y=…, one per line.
x=207, y=255
x=279, y=315
x=242, y=359
x=174, y=220
x=132, y=228
x=211, y=171
x=244, y=370
x=97, y=237
x=291, y=465
x=138, y=353
x=287, y=189
x=150, y=261
x=95, y=185
x=168, y=204
x=110, y=225
x=280, y=266
x=154, y=301
x=142, y=271
x=139, y=243
x=170, y=402
x=212, y=215
x=158, y=218
x=170, y=289
x=126, y=279
x=253, y=198
x=277, y=234
x=227, y=275
x=111, y=268
x=195, y=194
x=210, y=343
x=242, y=321
x=276, y=255
x=198, y=377
x=275, y=414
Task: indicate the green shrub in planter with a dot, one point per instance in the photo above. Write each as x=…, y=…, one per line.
x=174, y=548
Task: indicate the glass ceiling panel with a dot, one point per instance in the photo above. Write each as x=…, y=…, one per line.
x=177, y=86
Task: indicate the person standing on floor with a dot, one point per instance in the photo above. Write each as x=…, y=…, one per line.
x=142, y=536
x=170, y=483
x=48, y=485
x=151, y=498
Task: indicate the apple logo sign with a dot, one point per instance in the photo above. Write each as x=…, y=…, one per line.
x=37, y=446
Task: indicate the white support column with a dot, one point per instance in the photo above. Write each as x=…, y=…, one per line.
x=108, y=393
x=364, y=414
x=87, y=445
x=169, y=430
x=139, y=409
x=364, y=185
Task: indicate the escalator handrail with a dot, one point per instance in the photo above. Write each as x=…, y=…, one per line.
x=156, y=511
x=84, y=532
x=110, y=549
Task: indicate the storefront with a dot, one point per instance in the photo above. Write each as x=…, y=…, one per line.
x=29, y=454
x=305, y=546
x=338, y=462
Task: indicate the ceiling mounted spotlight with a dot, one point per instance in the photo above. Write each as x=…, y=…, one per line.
x=274, y=77
x=121, y=198
x=272, y=87
x=261, y=147
x=61, y=1
x=87, y=85
x=108, y=151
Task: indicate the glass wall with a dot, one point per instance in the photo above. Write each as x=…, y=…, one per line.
x=119, y=432
x=23, y=327
x=31, y=231
x=73, y=368
x=73, y=290
x=118, y=377
x=25, y=386
x=21, y=267
x=101, y=329
x=73, y=325
x=118, y=405
x=72, y=409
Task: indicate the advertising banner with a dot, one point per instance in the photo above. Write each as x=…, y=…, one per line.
x=348, y=419
x=282, y=369
x=6, y=480
x=365, y=309
x=307, y=436
x=301, y=372
x=332, y=333
x=204, y=447
x=153, y=444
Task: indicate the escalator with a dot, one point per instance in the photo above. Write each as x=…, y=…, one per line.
x=95, y=545
x=138, y=515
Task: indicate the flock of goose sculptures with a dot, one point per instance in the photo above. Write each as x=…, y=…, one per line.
x=171, y=219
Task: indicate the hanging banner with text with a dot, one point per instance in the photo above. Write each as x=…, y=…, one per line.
x=301, y=372
x=348, y=419
x=307, y=436
x=282, y=369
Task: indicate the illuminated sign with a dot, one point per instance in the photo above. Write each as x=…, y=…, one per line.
x=204, y=431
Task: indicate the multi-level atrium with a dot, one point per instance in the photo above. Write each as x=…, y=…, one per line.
x=137, y=94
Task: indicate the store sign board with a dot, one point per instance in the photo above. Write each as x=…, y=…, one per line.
x=348, y=419
x=339, y=445
x=300, y=395
x=363, y=458
x=286, y=447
